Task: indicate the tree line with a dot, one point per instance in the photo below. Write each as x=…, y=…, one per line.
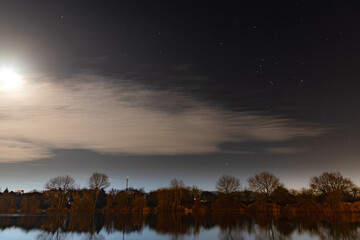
x=266, y=193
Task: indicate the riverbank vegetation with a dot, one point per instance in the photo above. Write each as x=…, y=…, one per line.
x=329, y=193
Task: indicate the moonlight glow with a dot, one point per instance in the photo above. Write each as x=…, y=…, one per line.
x=9, y=80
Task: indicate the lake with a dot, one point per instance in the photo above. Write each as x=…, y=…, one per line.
x=175, y=226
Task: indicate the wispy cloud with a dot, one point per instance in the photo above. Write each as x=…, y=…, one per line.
x=285, y=150
x=92, y=112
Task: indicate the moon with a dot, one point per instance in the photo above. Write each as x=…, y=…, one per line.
x=10, y=80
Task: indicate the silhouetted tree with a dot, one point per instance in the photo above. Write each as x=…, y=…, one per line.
x=32, y=202
x=176, y=183
x=264, y=183
x=101, y=201
x=332, y=185
x=82, y=200
x=97, y=181
x=139, y=203
x=165, y=199
x=118, y=200
x=172, y=198
x=111, y=199
x=152, y=200
x=227, y=184
x=353, y=195
x=60, y=187
x=9, y=201
x=282, y=196
x=124, y=200
x=306, y=200
x=177, y=187
x=187, y=199
x=136, y=192
x=207, y=197
x=247, y=196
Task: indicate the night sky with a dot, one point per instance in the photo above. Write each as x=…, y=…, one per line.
x=157, y=90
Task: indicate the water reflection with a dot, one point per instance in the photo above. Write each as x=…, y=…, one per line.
x=180, y=226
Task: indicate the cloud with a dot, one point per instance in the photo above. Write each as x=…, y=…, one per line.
x=285, y=150
x=12, y=150
x=111, y=116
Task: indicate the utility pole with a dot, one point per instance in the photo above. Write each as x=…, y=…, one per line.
x=127, y=183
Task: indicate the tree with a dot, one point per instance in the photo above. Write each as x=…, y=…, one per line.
x=227, y=184
x=247, y=196
x=196, y=196
x=139, y=203
x=264, y=183
x=176, y=183
x=9, y=201
x=331, y=183
x=98, y=181
x=152, y=200
x=32, y=201
x=60, y=186
x=354, y=194
x=82, y=200
x=207, y=197
x=282, y=196
x=177, y=187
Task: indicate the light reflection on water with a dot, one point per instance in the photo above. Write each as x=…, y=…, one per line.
x=174, y=226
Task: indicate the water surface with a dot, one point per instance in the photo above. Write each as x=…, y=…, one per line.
x=175, y=226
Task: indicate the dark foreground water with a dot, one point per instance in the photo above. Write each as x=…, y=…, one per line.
x=175, y=226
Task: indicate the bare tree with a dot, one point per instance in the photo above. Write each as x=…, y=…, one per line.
x=97, y=181
x=61, y=186
x=331, y=182
x=264, y=182
x=177, y=186
x=227, y=184
x=176, y=183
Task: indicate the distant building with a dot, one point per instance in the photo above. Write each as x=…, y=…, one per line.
x=19, y=191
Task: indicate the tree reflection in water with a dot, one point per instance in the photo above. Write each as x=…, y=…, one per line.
x=181, y=226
